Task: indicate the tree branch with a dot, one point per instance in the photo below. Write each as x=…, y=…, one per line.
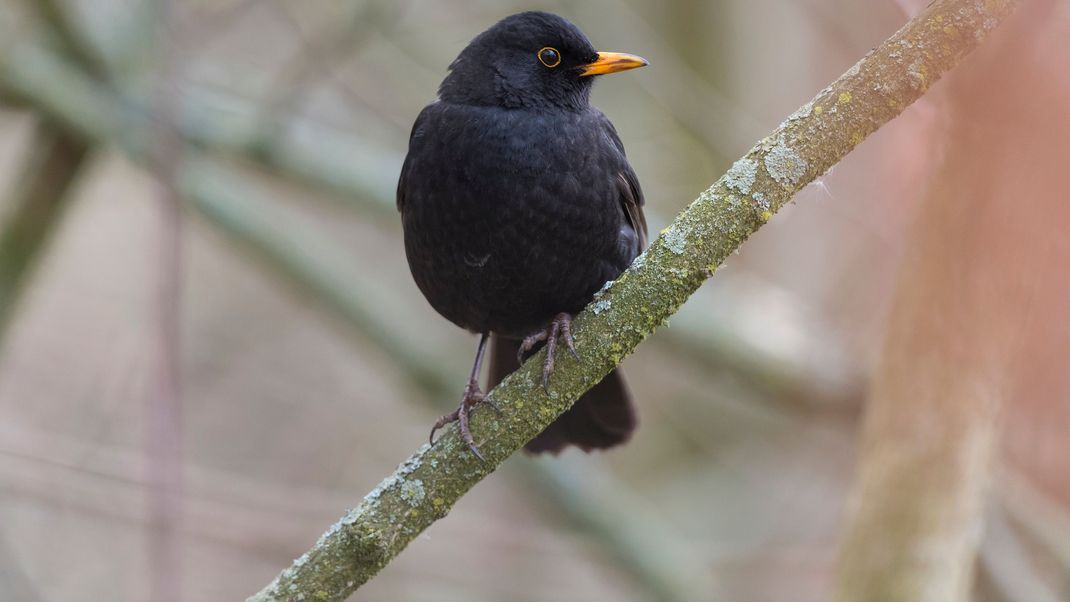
x=52, y=167
x=428, y=483
x=53, y=163
x=1007, y=566
x=1043, y=520
x=74, y=39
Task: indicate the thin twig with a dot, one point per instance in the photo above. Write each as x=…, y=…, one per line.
x=164, y=440
x=164, y=437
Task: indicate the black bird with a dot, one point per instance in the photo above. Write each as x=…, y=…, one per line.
x=518, y=204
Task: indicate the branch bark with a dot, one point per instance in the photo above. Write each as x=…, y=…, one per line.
x=427, y=484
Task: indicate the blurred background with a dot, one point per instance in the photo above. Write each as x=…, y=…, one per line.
x=212, y=346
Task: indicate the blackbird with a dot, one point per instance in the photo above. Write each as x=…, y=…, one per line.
x=518, y=205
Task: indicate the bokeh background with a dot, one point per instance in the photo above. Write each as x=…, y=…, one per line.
x=212, y=346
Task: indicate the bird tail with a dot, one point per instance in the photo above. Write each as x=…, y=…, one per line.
x=603, y=417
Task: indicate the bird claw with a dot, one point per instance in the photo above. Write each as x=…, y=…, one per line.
x=561, y=326
x=473, y=396
x=529, y=343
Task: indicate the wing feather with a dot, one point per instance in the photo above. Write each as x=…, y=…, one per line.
x=631, y=194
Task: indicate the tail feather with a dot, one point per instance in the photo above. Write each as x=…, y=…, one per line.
x=603, y=417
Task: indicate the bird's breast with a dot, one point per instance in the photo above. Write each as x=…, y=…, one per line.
x=510, y=214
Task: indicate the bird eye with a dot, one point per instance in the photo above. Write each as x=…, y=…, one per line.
x=550, y=57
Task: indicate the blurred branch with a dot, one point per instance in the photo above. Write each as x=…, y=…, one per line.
x=164, y=440
x=627, y=532
x=428, y=483
x=702, y=111
x=343, y=166
x=1006, y=564
x=796, y=376
x=163, y=443
x=1043, y=519
x=75, y=42
x=302, y=260
x=60, y=92
x=164, y=402
x=53, y=163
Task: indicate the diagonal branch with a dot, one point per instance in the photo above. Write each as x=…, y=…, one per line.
x=75, y=40
x=53, y=165
x=428, y=483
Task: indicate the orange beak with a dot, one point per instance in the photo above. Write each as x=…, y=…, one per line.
x=612, y=62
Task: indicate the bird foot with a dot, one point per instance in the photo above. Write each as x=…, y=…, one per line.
x=561, y=326
x=472, y=397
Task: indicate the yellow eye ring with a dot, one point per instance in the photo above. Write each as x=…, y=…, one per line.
x=549, y=57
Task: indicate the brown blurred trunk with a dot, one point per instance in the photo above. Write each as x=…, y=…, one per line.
x=986, y=271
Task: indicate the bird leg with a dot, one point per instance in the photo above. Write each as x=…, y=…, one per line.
x=472, y=397
x=560, y=325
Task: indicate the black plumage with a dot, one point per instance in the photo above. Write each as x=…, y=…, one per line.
x=518, y=204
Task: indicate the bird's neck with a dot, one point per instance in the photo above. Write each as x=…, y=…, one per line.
x=499, y=91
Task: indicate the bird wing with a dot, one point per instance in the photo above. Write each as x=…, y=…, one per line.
x=418, y=131
x=631, y=200
x=631, y=194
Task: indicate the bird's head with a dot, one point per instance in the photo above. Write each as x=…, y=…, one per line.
x=530, y=60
